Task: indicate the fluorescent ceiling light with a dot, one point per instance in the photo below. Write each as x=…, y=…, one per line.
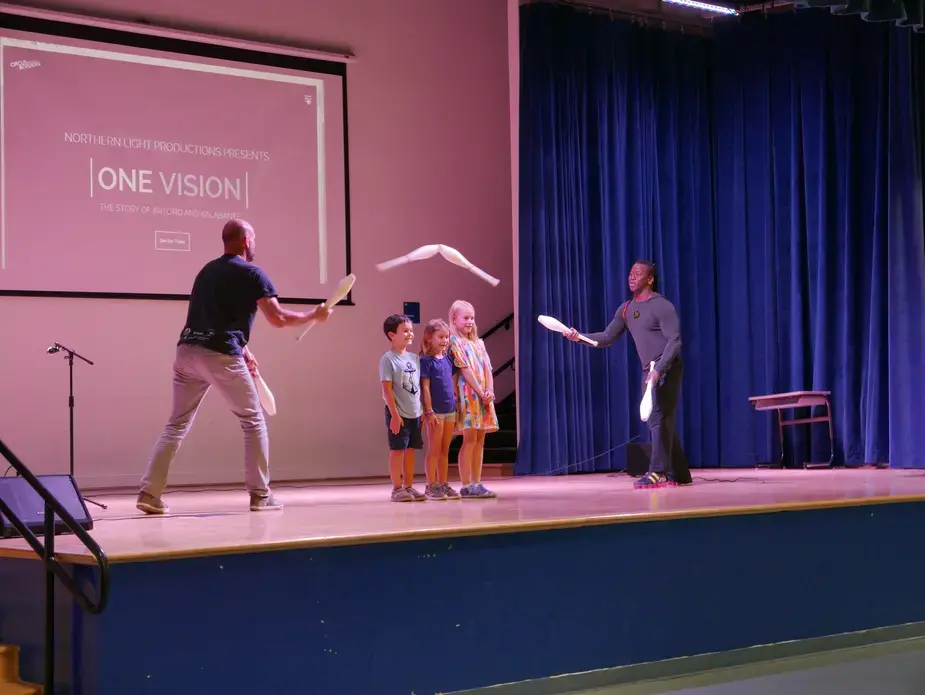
x=705, y=6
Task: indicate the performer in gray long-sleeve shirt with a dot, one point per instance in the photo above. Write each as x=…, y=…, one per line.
x=653, y=323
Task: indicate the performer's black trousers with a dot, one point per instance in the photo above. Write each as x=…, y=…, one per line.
x=667, y=455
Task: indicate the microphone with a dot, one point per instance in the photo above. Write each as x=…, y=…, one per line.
x=71, y=354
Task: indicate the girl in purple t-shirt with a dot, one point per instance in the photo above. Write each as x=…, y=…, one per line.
x=439, y=397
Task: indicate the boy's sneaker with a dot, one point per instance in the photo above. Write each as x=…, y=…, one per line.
x=434, y=492
x=149, y=504
x=449, y=493
x=265, y=504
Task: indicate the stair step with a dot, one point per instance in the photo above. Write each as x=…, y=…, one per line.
x=495, y=440
x=507, y=421
x=500, y=455
x=20, y=688
x=500, y=446
x=9, y=663
x=501, y=438
x=489, y=471
x=508, y=405
x=9, y=673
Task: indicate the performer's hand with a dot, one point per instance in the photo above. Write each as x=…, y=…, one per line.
x=321, y=313
x=572, y=335
x=250, y=361
x=488, y=396
x=653, y=376
x=396, y=424
x=430, y=420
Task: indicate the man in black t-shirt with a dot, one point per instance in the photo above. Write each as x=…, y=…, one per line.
x=212, y=351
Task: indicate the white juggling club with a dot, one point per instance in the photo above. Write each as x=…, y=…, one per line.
x=419, y=254
x=557, y=326
x=343, y=289
x=645, y=406
x=456, y=258
x=448, y=252
x=266, y=396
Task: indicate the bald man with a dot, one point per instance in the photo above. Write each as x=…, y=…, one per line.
x=212, y=351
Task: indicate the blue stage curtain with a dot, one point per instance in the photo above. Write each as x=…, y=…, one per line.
x=819, y=232
x=771, y=174
x=615, y=164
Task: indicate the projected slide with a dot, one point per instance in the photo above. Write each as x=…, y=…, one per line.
x=119, y=167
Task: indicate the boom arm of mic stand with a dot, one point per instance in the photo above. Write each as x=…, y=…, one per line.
x=73, y=353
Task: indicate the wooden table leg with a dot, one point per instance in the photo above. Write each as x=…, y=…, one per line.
x=780, y=428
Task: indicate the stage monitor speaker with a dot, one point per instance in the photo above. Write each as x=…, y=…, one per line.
x=637, y=459
x=29, y=507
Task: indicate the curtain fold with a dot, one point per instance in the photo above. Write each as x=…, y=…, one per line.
x=773, y=174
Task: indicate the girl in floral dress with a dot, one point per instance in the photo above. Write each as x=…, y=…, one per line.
x=475, y=398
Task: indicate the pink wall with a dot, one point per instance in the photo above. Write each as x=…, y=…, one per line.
x=513, y=43
x=430, y=161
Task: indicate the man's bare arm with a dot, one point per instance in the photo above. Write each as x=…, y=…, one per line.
x=281, y=318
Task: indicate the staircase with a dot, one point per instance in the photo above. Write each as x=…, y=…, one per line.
x=500, y=446
x=9, y=674
x=57, y=519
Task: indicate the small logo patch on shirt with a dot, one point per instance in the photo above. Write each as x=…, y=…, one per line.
x=635, y=314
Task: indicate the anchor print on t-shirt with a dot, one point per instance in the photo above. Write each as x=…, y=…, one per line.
x=410, y=381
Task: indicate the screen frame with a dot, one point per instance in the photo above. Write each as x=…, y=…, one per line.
x=186, y=47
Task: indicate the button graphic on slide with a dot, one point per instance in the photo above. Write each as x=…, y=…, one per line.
x=171, y=241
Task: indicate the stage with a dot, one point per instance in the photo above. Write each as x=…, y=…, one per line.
x=559, y=575
x=217, y=522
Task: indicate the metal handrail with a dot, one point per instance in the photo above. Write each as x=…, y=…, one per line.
x=46, y=551
x=506, y=322
x=507, y=365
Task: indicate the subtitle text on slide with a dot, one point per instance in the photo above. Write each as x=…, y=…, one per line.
x=168, y=211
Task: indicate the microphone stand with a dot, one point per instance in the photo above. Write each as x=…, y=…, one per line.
x=71, y=354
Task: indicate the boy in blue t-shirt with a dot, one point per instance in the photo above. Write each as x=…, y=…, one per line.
x=400, y=374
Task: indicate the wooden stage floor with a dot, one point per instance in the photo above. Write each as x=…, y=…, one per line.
x=217, y=522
